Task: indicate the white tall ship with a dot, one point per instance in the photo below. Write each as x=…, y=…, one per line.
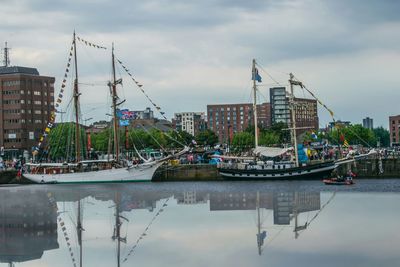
x=95, y=171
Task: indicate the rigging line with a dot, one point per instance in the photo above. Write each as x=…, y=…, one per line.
x=161, y=209
x=139, y=85
x=166, y=134
x=152, y=137
x=275, y=236
x=269, y=75
x=130, y=136
x=323, y=206
x=331, y=113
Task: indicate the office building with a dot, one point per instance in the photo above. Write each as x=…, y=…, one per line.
x=368, y=123
x=27, y=99
x=280, y=111
x=394, y=126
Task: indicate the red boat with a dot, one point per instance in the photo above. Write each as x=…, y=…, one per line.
x=336, y=181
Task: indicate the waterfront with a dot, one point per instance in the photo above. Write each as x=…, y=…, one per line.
x=202, y=224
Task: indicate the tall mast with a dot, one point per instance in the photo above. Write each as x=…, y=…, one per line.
x=114, y=99
x=76, y=105
x=255, y=103
x=293, y=112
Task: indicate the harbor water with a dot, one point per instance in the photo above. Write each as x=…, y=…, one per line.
x=304, y=223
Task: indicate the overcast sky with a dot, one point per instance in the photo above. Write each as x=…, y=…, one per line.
x=188, y=54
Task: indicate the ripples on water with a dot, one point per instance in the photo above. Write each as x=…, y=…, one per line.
x=201, y=224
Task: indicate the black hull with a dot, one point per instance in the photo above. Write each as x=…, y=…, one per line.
x=317, y=171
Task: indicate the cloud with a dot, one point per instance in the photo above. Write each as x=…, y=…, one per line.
x=200, y=51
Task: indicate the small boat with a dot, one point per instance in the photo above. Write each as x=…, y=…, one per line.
x=338, y=181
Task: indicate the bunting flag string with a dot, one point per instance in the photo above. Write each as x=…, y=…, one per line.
x=60, y=221
x=90, y=44
x=157, y=107
x=52, y=118
x=146, y=229
x=138, y=84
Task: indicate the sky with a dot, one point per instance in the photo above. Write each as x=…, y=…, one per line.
x=188, y=54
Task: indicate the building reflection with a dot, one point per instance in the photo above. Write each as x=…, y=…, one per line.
x=28, y=225
x=28, y=215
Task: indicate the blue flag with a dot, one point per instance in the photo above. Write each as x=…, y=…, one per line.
x=256, y=76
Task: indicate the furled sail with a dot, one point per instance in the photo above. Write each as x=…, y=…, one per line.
x=271, y=152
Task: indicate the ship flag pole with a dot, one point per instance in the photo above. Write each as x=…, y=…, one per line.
x=255, y=78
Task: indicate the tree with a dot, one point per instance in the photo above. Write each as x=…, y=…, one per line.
x=353, y=134
x=206, y=138
x=243, y=141
x=269, y=138
x=61, y=141
x=382, y=136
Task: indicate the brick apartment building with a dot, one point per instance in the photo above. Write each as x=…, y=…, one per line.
x=394, y=126
x=26, y=100
x=227, y=119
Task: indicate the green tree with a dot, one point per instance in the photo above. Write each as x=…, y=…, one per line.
x=269, y=138
x=242, y=141
x=61, y=141
x=354, y=134
x=383, y=136
x=206, y=137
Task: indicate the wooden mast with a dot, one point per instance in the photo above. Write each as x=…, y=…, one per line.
x=293, y=113
x=76, y=105
x=255, y=103
x=114, y=100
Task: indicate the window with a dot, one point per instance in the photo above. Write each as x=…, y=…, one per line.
x=11, y=83
x=38, y=112
x=36, y=93
x=37, y=102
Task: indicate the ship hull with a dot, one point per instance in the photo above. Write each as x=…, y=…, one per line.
x=139, y=173
x=317, y=171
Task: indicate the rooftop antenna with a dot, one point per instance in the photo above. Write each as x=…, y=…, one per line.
x=6, y=60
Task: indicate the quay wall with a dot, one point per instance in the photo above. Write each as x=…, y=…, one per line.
x=187, y=172
x=370, y=168
x=367, y=168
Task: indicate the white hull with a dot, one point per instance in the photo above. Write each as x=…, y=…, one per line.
x=139, y=173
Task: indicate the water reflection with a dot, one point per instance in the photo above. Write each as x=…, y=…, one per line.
x=28, y=225
x=107, y=225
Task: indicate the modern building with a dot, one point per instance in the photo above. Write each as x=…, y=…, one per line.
x=394, y=126
x=306, y=110
x=368, y=123
x=190, y=122
x=27, y=99
x=280, y=111
x=146, y=114
x=227, y=119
